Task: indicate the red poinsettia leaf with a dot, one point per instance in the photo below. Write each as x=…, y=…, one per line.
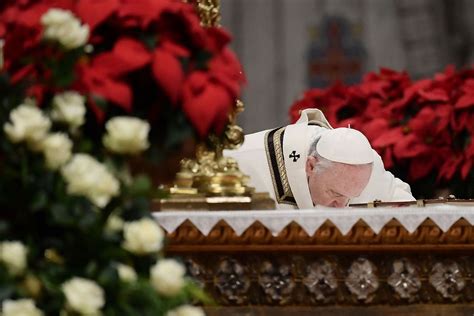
x=117, y=92
x=421, y=167
x=168, y=73
x=409, y=147
x=94, y=12
x=182, y=18
x=465, y=101
x=468, y=86
x=439, y=95
x=196, y=82
x=230, y=75
x=423, y=122
x=97, y=82
x=218, y=38
x=387, y=157
x=207, y=109
x=409, y=93
x=314, y=93
x=132, y=52
x=466, y=168
x=31, y=18
x=110, y=64
x=388, y=138
x=127, y=55
x=175, y=49
x=144, y=11
x=373, y=128
x=449, y=168
x=37, y=91
x=469, y=150
x=374, y=87
x=22, y=73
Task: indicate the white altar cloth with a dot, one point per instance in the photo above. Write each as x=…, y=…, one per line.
x=444, y=216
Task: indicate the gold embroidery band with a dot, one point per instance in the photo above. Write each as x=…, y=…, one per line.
x=276, y=163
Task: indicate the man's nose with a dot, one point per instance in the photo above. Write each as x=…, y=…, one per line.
x=341, y=202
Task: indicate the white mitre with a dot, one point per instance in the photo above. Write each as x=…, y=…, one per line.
x=345, y=145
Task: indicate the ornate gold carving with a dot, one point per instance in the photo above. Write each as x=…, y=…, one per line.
x=209, y=11
x=327, y=238
x=428, y=266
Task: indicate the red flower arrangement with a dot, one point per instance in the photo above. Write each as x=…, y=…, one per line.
x=422, y=129
x=148, y=58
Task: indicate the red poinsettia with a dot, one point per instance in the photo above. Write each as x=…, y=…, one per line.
x=425, y=125
x=160, y=43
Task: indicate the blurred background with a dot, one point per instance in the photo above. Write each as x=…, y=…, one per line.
x=289, y=46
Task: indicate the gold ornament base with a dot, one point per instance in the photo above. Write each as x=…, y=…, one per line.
x=212, y=181
x=199, y=202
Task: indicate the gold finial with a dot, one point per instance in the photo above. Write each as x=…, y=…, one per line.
x=209, y=11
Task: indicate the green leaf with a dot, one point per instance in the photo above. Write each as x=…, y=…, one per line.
x=108, y=277
x=100, y=102
x=39, y=201
x=6, y=291
x=61, y=215
x=3, y=228
x=198, y=293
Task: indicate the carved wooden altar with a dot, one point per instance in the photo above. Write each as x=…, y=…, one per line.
x=260, y=273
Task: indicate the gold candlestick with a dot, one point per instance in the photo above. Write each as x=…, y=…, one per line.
x=212, y=181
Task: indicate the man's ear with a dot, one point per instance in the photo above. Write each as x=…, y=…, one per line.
x=310, y=164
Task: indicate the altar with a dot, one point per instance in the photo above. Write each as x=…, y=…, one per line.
x=367, y=261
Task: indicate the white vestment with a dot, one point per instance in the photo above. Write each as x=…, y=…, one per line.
x=275, y=161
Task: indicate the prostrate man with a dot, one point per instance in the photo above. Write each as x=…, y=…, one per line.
x=309, y=163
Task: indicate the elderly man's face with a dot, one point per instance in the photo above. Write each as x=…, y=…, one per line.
x=337, y=184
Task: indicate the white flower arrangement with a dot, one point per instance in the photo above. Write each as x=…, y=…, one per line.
x=126, y=135
x=167, y=277
x=88, y=177
x=126, y=273
x=27, y=124
x=62, y=26
x=14, y=255
x=57, y=149
x=21, y=307
x=186, y=310
x=69, y=107
x=143, y=236
x=83, y=296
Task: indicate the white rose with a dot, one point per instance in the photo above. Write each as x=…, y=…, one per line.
x=114, y=224
x=69, y=107
x=28, y=124
x=88, y=177
x=126, y=273
x=126, y=135
x=167, y=277
x=83, y=296
x=56, y=149
x=13, y=255
x=142, y=237
x=23, y=307
x=186, y=310
x=62, y=26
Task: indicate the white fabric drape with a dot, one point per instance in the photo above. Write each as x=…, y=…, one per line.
x=444, y=216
